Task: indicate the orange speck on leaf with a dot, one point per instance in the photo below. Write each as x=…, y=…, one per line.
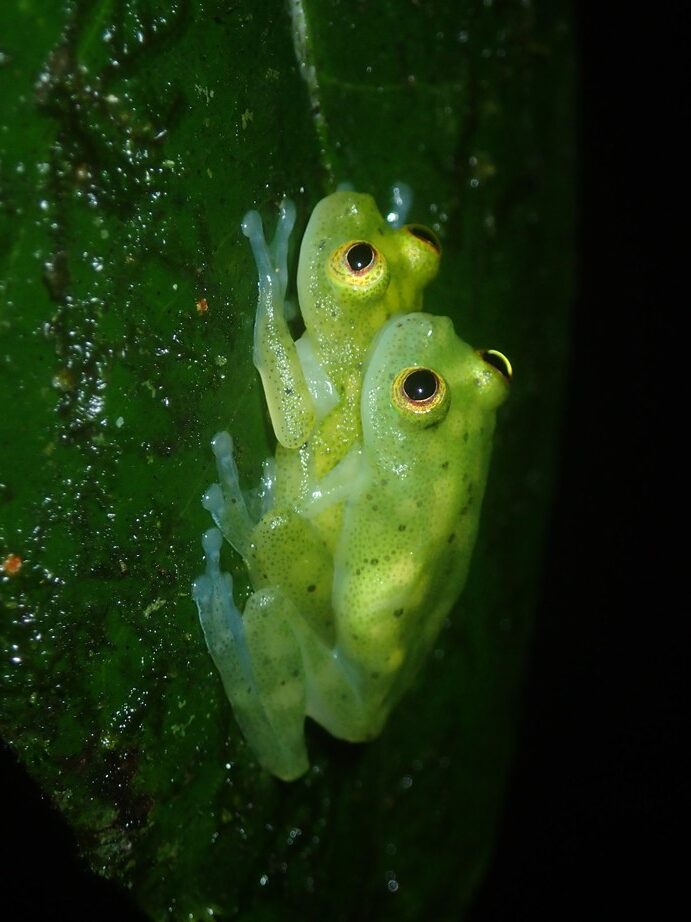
x=202, y=306
x=12, y=564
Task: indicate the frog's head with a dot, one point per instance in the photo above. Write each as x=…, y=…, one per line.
x=356, y=270
x=429, y=398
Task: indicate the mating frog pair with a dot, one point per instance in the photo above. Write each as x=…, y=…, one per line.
x=384, y=422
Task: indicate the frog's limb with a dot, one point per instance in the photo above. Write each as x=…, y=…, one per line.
x=336, y=486
x=401, y=203
x=280, y=685
x=289, y=555
x=267, y=489
x=275, y=356
x=321, y=388
x=225, y=501
x=260, y=499
x=260, y=664
x=339, y=698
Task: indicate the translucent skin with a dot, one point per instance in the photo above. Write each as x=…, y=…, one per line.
x=336, y=629
x=342, y=310
x=312, y=387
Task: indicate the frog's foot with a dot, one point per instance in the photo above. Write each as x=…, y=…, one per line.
x=220, y=618
x=260, y=664
x=279, y=245
x=271, y=259
x=225, y=501
x=401, y=202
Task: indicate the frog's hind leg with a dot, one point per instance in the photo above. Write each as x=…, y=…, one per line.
x=260, y=664
x=225, y=501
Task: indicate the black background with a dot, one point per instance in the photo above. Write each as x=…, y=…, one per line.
x=589, y=828
x=592, y=824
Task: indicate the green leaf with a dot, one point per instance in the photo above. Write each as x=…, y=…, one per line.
x=133, y=137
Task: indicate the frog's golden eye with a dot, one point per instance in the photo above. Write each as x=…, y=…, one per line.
x=420, y=391
x=359, y=267
x=426, y=235
x=497, y=360
x=356, y=258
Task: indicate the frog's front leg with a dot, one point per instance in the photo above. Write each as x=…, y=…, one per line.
x=260, y=664
x=275, y=355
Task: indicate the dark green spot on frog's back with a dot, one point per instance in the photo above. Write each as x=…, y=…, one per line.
x=398, y=612
x=311, y=587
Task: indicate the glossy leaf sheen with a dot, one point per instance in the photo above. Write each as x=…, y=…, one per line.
x=133, y=137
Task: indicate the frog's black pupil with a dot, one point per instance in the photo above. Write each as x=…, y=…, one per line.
x=424, y=233
x=420, y=385
x=360, y=256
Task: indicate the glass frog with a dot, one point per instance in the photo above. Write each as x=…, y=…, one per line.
x=356, y=269
x=342, y=615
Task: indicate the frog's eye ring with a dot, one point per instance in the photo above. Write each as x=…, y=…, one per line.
x=358, y=267
x=426, y=235
x=420, y=391
x=497, y=360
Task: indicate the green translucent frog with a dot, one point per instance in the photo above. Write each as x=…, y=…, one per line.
x=357, y=553
x=356, y=270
